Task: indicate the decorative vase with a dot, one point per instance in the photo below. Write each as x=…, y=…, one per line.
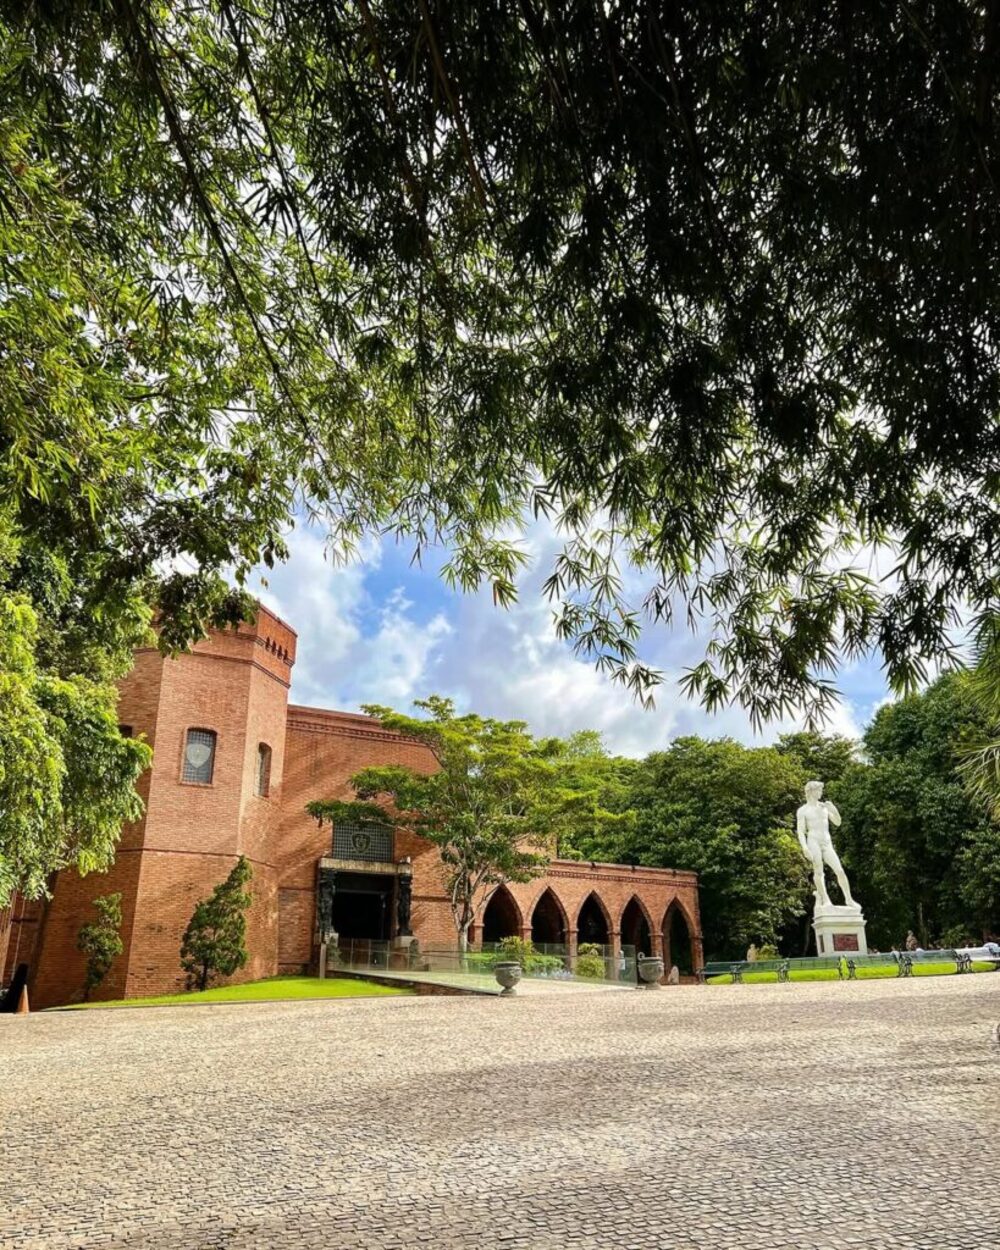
x=508, y=974
x=650, y=971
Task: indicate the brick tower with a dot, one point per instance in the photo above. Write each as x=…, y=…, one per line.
x=215, y=718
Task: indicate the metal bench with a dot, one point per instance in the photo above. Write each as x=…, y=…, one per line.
x=824, y=962
x=854, y=962
x=963, y=962
x=717, y=969
x=846, y=965
x=782, y=968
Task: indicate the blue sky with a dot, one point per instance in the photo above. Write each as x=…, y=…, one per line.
x=383, y=631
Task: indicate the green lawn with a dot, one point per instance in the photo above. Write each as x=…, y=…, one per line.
x=830, y=974
x=270, y=989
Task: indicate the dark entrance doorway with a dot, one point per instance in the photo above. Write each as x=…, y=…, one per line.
x=547, y=924
x=592, y=924
x=635, y=928
x=501, y=918
x=362, y=905
x=677, y=941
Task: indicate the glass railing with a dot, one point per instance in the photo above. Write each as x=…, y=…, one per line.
x=593, y=962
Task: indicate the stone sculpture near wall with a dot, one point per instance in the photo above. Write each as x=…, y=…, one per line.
x=404, y=886
x=839, y=927
x=326, y=890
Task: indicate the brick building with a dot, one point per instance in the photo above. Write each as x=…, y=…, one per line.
x=234, y=765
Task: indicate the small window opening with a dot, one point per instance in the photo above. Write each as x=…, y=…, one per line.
x=199, y=757
x=263, y=770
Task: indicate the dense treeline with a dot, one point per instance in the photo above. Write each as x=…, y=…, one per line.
x=922, y=852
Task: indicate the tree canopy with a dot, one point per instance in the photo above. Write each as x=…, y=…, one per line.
x=724, y=811
x=713, y=285
x=924, y=849
x=921, y=845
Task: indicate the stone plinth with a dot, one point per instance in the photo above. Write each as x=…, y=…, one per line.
x=840, y=929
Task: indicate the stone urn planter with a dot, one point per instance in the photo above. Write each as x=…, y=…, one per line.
x=508, y=973
x=650, y=971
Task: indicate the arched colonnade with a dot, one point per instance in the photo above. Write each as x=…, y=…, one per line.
x=548, y=919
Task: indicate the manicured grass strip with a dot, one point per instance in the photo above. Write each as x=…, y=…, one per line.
x=830, y=974
x=270, y=989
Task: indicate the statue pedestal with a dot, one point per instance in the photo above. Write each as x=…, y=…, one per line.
x=399, y=951
x=840, y=929
x=329, y=954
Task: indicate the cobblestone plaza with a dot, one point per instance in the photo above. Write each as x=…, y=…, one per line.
x=862, y=1115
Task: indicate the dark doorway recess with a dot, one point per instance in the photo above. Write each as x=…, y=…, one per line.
x=362, y=906
x=548, y=927
x=501, y=918
x=635, y=928
x=677, y=941
x=592, y=926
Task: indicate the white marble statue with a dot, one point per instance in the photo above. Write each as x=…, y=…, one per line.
x=813, y=827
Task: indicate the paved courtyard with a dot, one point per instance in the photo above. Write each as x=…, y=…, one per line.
x=802, y=1116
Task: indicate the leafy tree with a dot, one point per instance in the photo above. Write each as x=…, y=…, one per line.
x=101, y=941
x=107, y=472
x=67, y=776
x=826, y=757
x=493, y=806
x=724, y=811
x=680, y=279
x=923, y=850
x=213, y=943
x=597, y=789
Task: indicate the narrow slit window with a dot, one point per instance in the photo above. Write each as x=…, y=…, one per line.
x=199, y=757
x=263, y=770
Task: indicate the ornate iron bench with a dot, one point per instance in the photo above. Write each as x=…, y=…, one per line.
x=717, y=969
x=782, y=968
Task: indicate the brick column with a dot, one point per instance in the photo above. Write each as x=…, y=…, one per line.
x=656, y=944
x=571, y=949
x=697, y=952
x=616, y=952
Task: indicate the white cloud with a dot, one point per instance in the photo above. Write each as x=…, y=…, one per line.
x=400, y=658
x=359, y=644
x=323, y=602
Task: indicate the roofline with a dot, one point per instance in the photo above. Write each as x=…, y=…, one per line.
x=303, y=709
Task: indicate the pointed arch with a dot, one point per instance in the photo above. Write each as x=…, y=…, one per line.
x=593, y=921
x=678, y=938
x=636, y=926
x=549, y=922
x=501, y=916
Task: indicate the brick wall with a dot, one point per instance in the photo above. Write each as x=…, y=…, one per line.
x=236, y=683
x=323, y=750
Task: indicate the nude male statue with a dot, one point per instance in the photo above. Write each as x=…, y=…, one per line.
x=813, y=827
